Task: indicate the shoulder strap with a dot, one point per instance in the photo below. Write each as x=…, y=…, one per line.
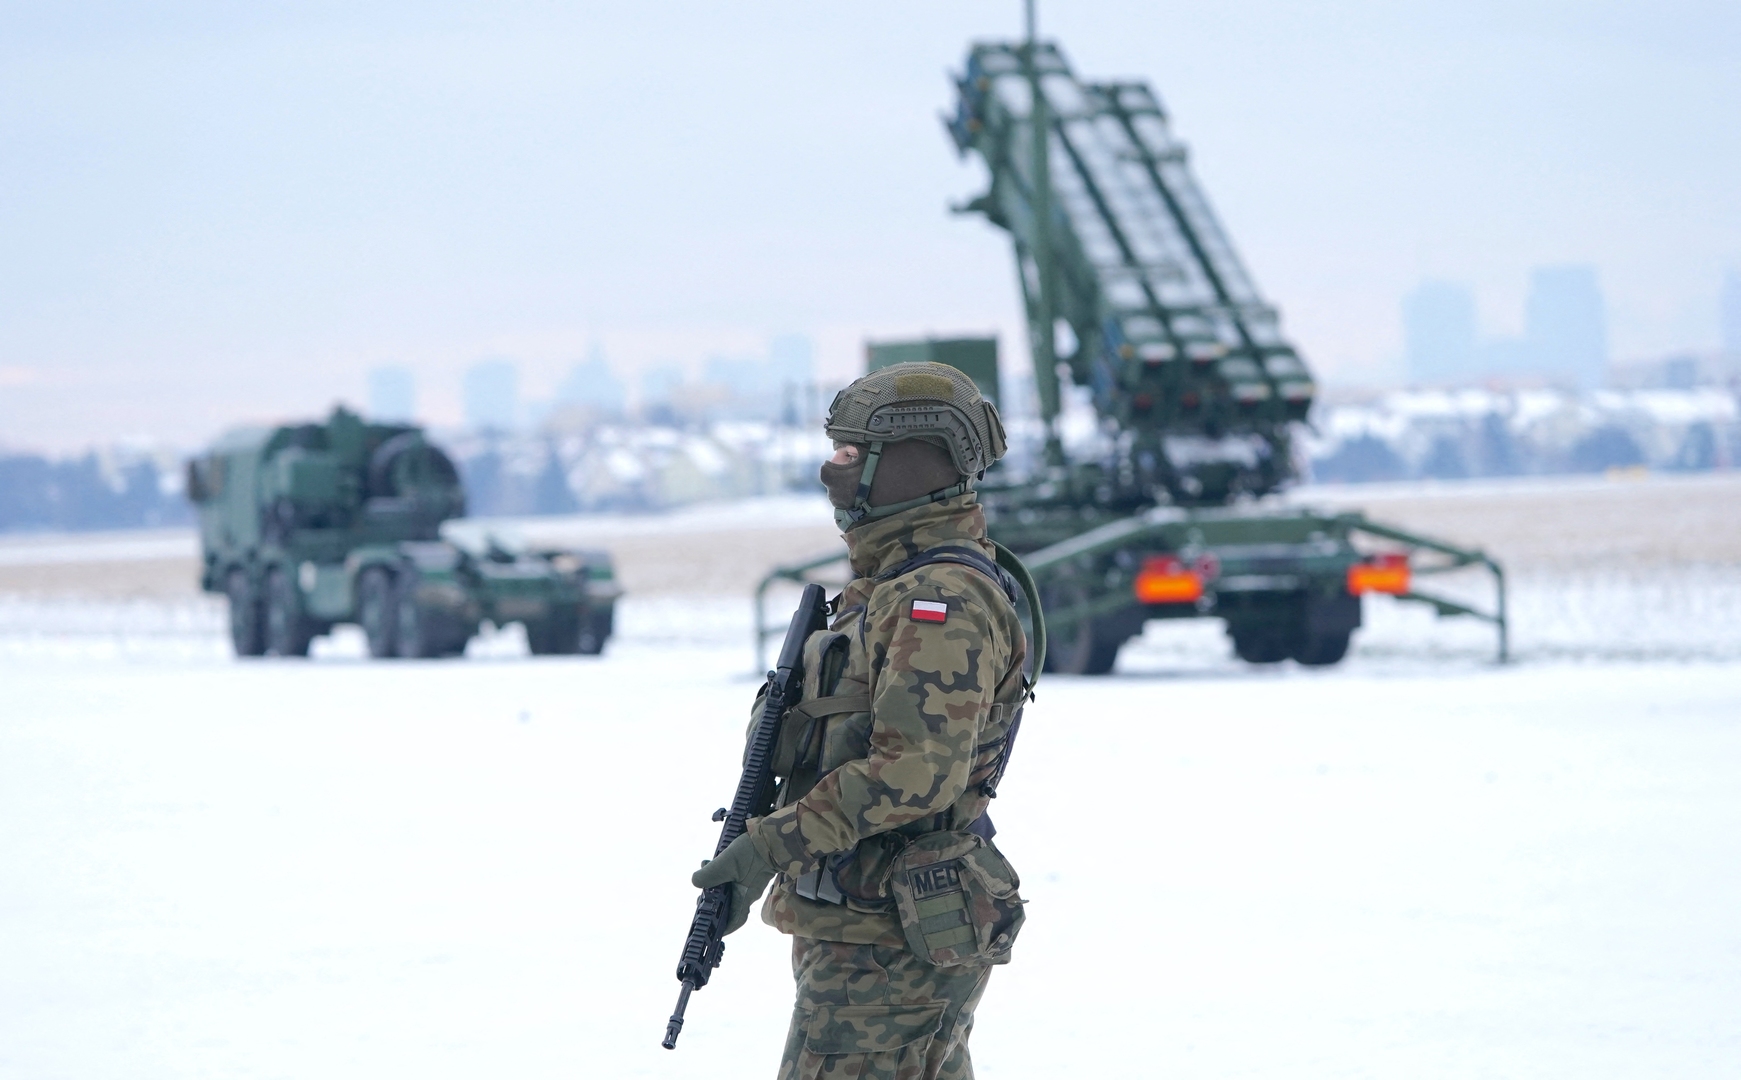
x=961, y=555
x=1011, y=564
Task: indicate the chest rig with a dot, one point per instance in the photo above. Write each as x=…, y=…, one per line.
x=832, y=723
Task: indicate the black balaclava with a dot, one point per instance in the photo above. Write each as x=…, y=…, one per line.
x=842, y=480
x=909, y=469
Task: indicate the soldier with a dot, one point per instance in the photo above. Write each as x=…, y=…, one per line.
x=898, y=902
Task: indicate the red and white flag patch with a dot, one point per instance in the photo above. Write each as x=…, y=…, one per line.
x=930, y=611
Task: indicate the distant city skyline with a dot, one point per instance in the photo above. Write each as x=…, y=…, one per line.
x=1731, y=313
x=217, y=214
x=1565, y=336
x=750, y=383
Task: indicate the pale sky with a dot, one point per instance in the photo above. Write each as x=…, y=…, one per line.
x=215, y=212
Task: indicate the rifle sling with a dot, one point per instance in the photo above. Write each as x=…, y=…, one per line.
x=833, y=705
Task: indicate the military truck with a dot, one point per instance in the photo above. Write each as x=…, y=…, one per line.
x=1138, y=304
x=306, y=526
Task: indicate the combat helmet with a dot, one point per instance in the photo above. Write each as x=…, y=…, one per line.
x=929, y=401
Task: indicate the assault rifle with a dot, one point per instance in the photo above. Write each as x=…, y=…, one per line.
x=755, y=796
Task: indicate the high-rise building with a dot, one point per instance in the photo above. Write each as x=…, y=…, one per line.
x=658, y=384
x=1439, y=332
x=1731, y=314
x=492, y=395
x=1566, y=324
x=592, y=383
x=392, y=394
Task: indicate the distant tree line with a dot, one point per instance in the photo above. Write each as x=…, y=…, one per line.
x=1496, y=453
x=81, y=493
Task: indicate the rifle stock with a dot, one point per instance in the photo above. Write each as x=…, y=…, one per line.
x=705, y=945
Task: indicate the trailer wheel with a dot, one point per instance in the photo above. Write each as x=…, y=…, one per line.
x=287, y=631
x=1325, y=626
x=245, y=628
x=1322, y=650
x=376, y=611
x=1267, y=643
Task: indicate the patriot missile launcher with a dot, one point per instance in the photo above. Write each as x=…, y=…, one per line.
x=1138, y=304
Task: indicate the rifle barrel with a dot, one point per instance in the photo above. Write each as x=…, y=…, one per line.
x=674, y=1026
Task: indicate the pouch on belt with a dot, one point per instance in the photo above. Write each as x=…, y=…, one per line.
x=957, y=899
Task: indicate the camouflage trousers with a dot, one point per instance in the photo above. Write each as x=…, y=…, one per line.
x=869, y=1012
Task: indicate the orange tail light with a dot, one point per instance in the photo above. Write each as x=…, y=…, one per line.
x=1163, y=579
x=1383, y=573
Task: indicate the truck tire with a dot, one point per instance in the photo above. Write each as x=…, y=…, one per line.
x=558, y=634
x=377, y=611
x=595, y=630
x=418, y=634
x=1322, y=650
x=287, y=631
x=1325, y=626
x=410, y=624
x=245, y=620
x=1089, y=647
x=1262, y=643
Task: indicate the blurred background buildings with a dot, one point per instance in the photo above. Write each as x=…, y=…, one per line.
x=586, y=320
x=1550, y=401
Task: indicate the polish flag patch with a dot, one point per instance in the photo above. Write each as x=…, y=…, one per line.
x=930, y=611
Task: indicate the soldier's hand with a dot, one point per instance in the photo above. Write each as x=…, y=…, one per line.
x=742, y=866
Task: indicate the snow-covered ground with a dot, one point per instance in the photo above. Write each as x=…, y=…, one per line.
x=1415, y=865
x=1418, y=864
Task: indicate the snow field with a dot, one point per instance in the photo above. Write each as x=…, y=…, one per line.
x=1416, y=864
x=346, y=869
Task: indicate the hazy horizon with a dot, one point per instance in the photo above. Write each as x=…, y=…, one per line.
x=213, y=215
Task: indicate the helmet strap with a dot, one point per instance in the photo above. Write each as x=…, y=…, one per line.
x=863, y=511
x=861, y=507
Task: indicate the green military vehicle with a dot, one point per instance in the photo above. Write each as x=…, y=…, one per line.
x=1189, y=394
x=305, y=526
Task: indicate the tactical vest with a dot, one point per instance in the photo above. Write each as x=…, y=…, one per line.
x=831, y=725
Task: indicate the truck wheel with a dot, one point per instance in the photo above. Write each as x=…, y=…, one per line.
x=595, y=630
x=1322, y=650
x=1325, y=626
x=245, y=628
x=556, y=635
x=1264, y=643
x=1085, y=648
x=376, y=611
x=414, y=635
x=287, y=630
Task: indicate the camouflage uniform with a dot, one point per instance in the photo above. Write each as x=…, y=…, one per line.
x=901, y=746
x=870, y=1012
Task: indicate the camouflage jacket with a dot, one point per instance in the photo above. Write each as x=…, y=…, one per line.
x=914, y=726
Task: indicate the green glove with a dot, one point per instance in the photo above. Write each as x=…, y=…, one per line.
x=746, y=869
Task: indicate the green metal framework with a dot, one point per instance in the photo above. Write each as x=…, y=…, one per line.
x=1115, y=240
x=1283, y=551
x=1122, y=262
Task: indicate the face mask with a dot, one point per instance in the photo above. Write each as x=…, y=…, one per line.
x=842, y=482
